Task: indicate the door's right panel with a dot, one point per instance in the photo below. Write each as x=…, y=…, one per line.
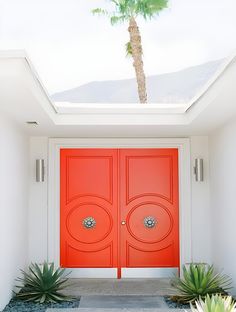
x=149, y=205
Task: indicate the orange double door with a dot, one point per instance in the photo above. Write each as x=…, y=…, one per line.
x=119, y=208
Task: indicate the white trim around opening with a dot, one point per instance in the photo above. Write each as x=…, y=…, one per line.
x=55, y=145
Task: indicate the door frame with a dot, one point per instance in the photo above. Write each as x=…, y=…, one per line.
x=53, y=222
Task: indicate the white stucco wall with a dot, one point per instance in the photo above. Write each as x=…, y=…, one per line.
x=38, y=202
x=223, y=204
x=14, y=174
x=201, y=218
x=200, y=204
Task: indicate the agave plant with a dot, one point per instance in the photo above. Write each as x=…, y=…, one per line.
x=198, y=281
x=215, y=303
x=42, y=284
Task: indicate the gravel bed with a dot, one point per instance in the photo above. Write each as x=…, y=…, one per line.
x=16, y=305
x=175, y=305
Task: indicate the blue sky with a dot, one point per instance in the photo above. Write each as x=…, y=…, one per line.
x=69, y=46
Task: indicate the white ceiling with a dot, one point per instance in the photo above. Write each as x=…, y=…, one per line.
x=23, y=97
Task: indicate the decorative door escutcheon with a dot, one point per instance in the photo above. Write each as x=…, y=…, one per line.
x=149, y=222
x=89, y=222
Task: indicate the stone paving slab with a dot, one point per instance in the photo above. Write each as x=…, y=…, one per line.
x=122, y=302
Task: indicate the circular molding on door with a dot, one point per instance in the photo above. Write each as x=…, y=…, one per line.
x=97, y=230
x=156, y=232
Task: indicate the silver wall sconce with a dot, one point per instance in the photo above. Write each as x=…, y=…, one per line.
x=198, y=169
x=40, y=170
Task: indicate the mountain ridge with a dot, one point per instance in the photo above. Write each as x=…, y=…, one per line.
x=176, y=87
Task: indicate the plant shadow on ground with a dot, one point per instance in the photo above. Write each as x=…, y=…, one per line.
x=17, y=305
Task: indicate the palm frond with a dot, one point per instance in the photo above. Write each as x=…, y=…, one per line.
x=100, y=11
x=125, y=9
x=150, y=8
x=114, y=19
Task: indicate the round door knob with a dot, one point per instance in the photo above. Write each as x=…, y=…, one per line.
x=123, y=222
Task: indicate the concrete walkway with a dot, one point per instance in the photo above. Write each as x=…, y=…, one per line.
x=89, y=287
x=112, y=295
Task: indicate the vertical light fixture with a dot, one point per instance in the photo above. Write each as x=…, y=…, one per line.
x=198, y=169
x=40, y=170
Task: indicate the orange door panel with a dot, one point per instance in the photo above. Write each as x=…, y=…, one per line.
x=88, y=208
x=149, y=208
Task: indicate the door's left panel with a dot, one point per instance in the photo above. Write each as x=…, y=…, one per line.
x=88, y=212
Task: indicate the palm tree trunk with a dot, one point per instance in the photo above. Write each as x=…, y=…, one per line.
x=136, y=47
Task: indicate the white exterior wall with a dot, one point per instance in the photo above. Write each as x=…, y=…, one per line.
x=38, y=202
x=223, y=204
x=14, y=180
x=201, y=217
x=200, y=204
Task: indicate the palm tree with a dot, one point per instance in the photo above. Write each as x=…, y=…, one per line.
x=128, y=11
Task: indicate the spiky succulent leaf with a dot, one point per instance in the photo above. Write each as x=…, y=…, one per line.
x=199, y=280
x=42, y=284
x=215, y=303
